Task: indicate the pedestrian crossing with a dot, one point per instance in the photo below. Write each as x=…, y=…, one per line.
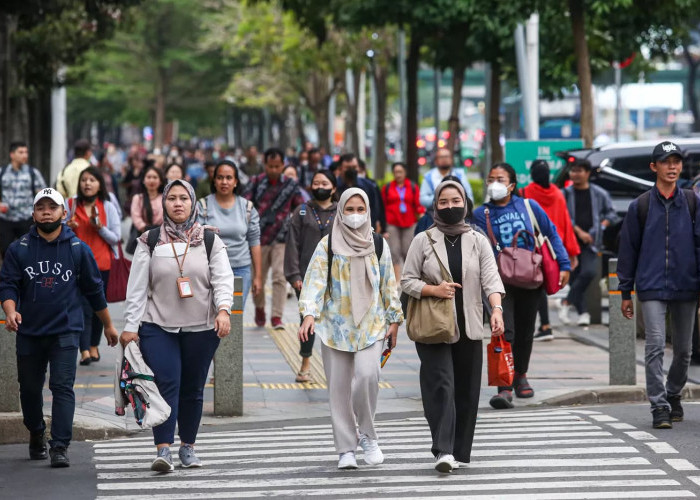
x=534, y=454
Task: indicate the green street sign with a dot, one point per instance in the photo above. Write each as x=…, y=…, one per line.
x=521, y=154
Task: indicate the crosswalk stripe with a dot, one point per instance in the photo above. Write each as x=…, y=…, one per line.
x=471, y=477
x=264, y=455
x=560, y=495
x=306, y=446
x=427, y=462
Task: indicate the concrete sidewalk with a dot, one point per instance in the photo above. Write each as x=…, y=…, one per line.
x=572, y=369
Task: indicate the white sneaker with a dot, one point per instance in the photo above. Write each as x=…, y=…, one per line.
x=446, y=463
x=563, y=313
x=347, y=460
x=584, y=319
x=373, y=455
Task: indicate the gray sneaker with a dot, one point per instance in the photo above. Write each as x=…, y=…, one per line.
x=188, y=458
x=164, y=461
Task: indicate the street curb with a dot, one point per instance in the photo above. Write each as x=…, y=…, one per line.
x=613, y=394
x=12, y=429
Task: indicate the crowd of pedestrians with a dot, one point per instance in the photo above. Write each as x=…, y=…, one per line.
x=348, y=246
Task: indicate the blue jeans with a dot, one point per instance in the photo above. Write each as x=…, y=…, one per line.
x=245, y=273
x=180, y=362
x=33, y=355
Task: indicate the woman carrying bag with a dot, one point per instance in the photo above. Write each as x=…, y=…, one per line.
x=177, y=307
x=352, y=311
x=450, y=372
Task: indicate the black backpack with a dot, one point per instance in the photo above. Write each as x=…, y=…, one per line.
x=153, y=235
x=378, y=249
x=643, y=207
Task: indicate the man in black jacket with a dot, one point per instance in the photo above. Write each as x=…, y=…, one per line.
x=660, y=253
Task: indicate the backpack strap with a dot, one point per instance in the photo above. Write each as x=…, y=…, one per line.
x=643, y=202
x=154, y=234
x=692, y=203
x=77, y=252
x=302, y=209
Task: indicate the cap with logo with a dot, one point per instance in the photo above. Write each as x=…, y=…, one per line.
x=50, y=193
x=665, y=150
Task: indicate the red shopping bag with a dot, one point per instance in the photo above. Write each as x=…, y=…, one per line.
x=500, y=362
x=118, y=277
x=550, y=268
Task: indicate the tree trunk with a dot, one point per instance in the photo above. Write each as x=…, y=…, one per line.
x=301, y=134
x=351, y=128
x=6, y=24
x=583, y=68
x=380, y=126
x=321, y=119
x=159, y=129
x=453, y=121
x=412, y=106
x=690, y=87
x=495, y=115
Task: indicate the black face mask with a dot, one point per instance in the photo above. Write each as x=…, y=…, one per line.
x=90, y=199
x=350, y=176
x=321, y=194
x=48, y=227
x=451, y=215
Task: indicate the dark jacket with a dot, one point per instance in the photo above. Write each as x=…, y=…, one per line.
x=303, y=236
x=601, y=208
x=668, y=249
x=47, y=285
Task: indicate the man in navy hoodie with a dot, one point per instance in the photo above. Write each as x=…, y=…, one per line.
x=42, y=278
x=660, y=252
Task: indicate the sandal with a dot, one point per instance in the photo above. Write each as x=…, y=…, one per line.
x=522, y=387
x=304, y=376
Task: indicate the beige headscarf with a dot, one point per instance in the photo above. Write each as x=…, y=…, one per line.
x=358, y=246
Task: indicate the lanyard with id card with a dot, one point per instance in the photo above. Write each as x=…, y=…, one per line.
x=184, y=286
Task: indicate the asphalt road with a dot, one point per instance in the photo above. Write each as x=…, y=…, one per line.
x=552, y=453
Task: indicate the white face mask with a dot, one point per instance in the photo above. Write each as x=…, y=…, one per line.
x=354, y=221
x=497, y=191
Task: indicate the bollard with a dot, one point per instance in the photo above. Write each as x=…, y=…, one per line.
x=9, y=387
x=594, y=295
x=228, y=361
x=623, y=355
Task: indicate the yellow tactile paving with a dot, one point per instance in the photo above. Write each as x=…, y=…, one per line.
x=288, y=344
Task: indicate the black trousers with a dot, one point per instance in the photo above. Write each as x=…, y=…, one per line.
x=450, y=382
x=306, y=347
x=543, y=307
x=519, y=316
x=11, y=231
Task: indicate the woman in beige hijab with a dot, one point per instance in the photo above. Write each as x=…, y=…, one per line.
x=353, y=312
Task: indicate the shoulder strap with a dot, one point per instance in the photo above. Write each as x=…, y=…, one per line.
x=248, y=210
x=692, y=203
x=378, y=245
x=489, y=229
x=152, y=240
x=329, y=282
x=203, y=202
x=445, y=273
x=77, y=254
x=209, y=241
x=643, y=202
x=63, y=180
x=302, y=209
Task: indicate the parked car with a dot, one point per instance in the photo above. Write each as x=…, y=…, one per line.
x=623, y=170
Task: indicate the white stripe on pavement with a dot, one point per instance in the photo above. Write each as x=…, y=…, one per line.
x=557, y=496
x=661, y=447
x=641, y=435
x=680, y=464
x=621, y=426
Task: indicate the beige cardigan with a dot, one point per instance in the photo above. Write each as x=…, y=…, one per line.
x=479, y=272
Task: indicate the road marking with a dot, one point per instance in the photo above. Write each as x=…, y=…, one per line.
x=661, y=447
x=264, y=455
x=372, y=486
x=695, y=479
x=680, y=464
x=603, y=418
x=640, y=435
x=622, y=426
x=559, y=496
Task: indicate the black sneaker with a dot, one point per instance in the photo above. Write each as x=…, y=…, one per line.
x=543, y=335
x=676, y=408
x=502, y=401
x=37, y=447
x=661, y=418
x=59, y=457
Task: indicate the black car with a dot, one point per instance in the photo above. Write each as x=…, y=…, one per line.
x=623, y=170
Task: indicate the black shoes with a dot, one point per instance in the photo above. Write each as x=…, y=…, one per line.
x=59, y=457
x=676, y=408
x=661, y=418
x=37, y=447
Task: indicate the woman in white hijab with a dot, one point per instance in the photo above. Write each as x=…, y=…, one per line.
x=352, y=313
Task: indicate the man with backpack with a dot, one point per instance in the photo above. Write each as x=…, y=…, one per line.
x=660, y=254
x=43, y=278
x=19, y=182
x=67, y=181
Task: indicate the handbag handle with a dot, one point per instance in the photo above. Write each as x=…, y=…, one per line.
x=517, y=235
x=445, y=274
x=489, y=229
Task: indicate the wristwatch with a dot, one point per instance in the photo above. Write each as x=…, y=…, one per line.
x=498, y=307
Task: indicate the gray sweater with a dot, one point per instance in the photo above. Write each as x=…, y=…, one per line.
x=237, y=233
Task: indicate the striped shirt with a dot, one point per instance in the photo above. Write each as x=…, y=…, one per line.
x=17, y=192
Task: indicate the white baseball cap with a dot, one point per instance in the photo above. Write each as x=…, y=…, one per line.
x=50, y=193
